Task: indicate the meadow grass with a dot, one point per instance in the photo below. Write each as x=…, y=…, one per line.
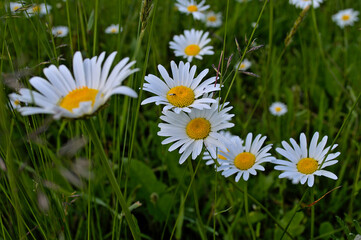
x=109, y=177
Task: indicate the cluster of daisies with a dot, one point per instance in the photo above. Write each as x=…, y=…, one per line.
x=346, y=17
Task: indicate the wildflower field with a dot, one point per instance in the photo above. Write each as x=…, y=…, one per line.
x=180, y=119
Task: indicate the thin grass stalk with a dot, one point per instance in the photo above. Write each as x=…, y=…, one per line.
x=244, y=53
x=354, y=187
x=113, y=181
x=215, y=205
x=263, y=208
x=69, y=27
x=312, y=213
x=185, y=198
x=95, y=27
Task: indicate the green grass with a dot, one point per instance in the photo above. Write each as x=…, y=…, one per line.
x=91, y=189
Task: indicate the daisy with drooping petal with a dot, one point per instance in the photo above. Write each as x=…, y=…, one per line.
x=304, y=164
x=220, y=158
x=192, y=7
x=15, y=6
x=60, y=31
x=183, y=91
x=278, y=109
x=305, y=3
x=68, y=97
x=113, y=29
x=191, y=131
x=41, y=9
x=345, y=17
x=245, y=64
x=245, y=159
x=212, y=19
x=191, y=44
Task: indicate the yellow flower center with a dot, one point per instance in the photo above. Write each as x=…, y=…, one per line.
x=244, y=161
x=17, y=102
x=212, y=18
x=59, y=32
x=36, y=9
x=345, y=17
x=198, y=128
x=307, y=165
x=75, y=97
x=192, y=50
x=242, y=66
x=278, y=109
x=192, y=8
x=16, y=8
x=113, y=30
x=180, y=96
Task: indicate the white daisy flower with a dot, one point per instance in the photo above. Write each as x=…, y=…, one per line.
x=278, y=109
x=113, y=29
x=345, y=17
x=212, y=19
x=41, y=9
x=245, y=159
x=191, y=44
x=14, y=101
x=183, y=91
x=60, y=31
x=63, y=96
x=305, y=3
x=15, y=6
x=220, y=159
x=191, y=131
x=303, y=164
x=245, y=64
x=192, y=7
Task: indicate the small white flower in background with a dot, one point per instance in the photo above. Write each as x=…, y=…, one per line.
x=183, y=91
x=113, y=29
x=305, y=3
x=245, y=64
x=68, y=97
x=243, y=1
x=213, y=19
x=244, y=158
x=345, y=17
x=14, y=6
x=304, y=163
x=192, y=7
x=41, y=9
x=60, y=31
x=278, y=109
x=14, y=101
x=254, y=25
x=191, y=44
x=192, y=131
x=357, y=237
x=220, y=159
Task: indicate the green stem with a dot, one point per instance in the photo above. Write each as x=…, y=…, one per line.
x=354, y=187
x=184, y=200
x=312, y=214
x=245, y=194
x=113, y=181
x=294, y=213
x=263, y=208
x=95, y=26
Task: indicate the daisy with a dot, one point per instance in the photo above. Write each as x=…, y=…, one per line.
x=213, y=19
x=183, y=91
x=207, y=157
x=278, y=109
x=41, y=9
x=345, y=17
x=305, y=3
x=15, y=6
x=60, y=31
x=65, y=96
x=14, y=101
x=245, y=64
x=303, y=164
x=192, y=7
x=245, y=159
x=191, y=131
x=191, y=44
x=113, y=29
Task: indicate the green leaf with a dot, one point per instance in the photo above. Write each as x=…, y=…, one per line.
x=90, y=21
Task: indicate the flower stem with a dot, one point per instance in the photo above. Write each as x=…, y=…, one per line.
x=113, y=181
x=245, y=194
x=312, y=214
